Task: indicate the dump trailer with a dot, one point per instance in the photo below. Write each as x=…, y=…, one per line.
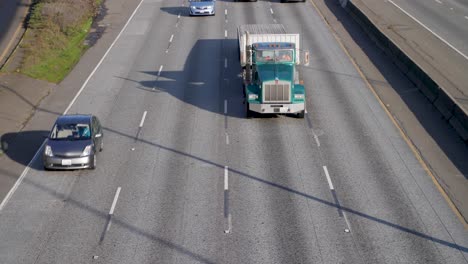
x=269, y=57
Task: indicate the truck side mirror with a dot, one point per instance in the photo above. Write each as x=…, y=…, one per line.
x=306, y=58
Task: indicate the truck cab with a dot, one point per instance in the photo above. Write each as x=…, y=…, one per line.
x=272, y=83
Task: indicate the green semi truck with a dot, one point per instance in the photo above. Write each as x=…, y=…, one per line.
x=269, y=57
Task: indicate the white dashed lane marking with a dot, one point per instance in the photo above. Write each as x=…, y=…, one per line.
x=160, y=69
x=143, y=119
x=114, y=203
x=328, y=178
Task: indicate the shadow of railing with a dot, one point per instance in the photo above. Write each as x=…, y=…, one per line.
x=302, y=194
x=115, y=220
x=234, y=171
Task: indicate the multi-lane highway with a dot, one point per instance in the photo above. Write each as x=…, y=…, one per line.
x=184, y=178
x=448, y=19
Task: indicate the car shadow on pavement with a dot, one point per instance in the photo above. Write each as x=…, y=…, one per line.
x=236, y=173
x=21, y=146
x=176, y=10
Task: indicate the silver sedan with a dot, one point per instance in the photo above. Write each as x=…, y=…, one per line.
x=202, y=7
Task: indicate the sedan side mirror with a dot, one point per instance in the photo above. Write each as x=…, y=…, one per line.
x=98, y=135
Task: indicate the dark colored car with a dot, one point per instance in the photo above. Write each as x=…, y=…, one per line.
x=73, y=143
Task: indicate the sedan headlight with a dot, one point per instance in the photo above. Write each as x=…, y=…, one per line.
x=86, y=151
x=299, y=96
x=253, y=96
x=48, y=151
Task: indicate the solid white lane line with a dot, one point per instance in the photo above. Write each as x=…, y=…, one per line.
x=160, y=69
x=420, y=23
x=225, y=106
x=225, y=62
x=143, y=119
x=226, y=178
x=20, y=179
x=172, y=37
x=328, y=178
x=26, y=170
x=116, y=197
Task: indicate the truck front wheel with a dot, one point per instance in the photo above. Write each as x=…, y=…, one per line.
x=248, y=113
x=301, y=114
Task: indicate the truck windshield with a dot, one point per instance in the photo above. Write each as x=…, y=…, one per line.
x=274, y=56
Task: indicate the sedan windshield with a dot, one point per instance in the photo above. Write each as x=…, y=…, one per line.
x=71, y=132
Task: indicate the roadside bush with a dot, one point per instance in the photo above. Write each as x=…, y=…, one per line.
x=53, y=42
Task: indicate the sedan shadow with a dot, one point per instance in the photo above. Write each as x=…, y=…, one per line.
x=21, y=146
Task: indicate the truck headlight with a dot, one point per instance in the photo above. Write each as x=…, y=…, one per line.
x=86, y=151
x=299, y=96
x=253, y=96
x=48, y=151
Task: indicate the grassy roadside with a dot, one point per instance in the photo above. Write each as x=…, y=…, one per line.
x=54, y=40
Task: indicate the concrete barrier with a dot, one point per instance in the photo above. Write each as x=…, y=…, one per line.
x=443, y=101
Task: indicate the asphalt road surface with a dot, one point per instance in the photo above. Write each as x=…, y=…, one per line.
x=12, y=13
x=446, y=18
x=184, y=178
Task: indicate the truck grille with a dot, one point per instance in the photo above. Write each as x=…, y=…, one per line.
x=276, y=92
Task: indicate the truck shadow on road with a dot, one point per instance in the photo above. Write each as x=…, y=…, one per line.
x=209, y=76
